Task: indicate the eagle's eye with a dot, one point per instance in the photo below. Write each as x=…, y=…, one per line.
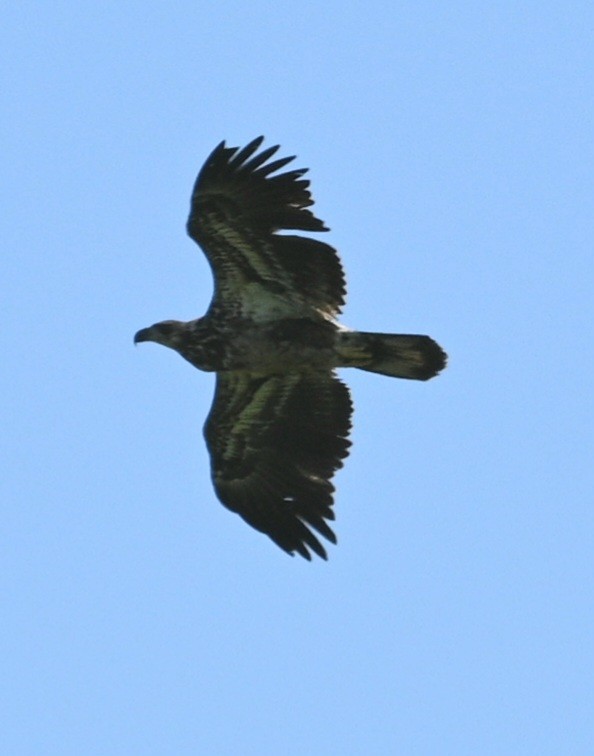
x=167, y=327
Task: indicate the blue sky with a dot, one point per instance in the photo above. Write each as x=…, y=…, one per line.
x=451, y=153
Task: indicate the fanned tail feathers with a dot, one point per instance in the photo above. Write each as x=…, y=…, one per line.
x=396, y=355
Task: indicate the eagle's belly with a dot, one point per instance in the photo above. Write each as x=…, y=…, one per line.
x=290, y=344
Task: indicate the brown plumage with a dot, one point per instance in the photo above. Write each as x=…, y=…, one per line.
x=278, y=428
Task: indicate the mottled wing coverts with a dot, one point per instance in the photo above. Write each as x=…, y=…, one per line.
x=239, y=203
x=275, y=441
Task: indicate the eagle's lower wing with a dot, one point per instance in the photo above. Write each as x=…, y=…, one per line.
x=237, y=207
x=275, y=442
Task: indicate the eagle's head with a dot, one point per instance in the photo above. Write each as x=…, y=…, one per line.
x=170, y=333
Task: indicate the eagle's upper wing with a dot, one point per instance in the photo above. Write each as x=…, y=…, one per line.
x=236, y=209
x=275, y=442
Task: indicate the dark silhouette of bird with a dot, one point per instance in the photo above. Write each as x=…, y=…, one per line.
x=279, y=424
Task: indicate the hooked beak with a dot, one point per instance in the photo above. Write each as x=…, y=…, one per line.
x=143, y=335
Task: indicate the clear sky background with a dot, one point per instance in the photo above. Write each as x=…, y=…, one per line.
x=451, y=153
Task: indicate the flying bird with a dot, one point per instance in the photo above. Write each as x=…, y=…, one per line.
x=280, y=419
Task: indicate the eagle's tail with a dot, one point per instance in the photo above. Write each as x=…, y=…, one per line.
x=396, y=355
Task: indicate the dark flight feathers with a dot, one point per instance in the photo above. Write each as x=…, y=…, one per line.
x=274, y=441
x=236, y=209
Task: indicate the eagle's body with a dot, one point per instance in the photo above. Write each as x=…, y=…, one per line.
x=278, y=427
x=216, y=344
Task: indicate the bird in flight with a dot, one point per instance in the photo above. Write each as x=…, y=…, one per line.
x=280, y=419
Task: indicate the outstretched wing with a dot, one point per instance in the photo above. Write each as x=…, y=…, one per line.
x=239, y=202
x=275, y=442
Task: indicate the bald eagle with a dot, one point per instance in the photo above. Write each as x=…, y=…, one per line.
x=279, y=423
